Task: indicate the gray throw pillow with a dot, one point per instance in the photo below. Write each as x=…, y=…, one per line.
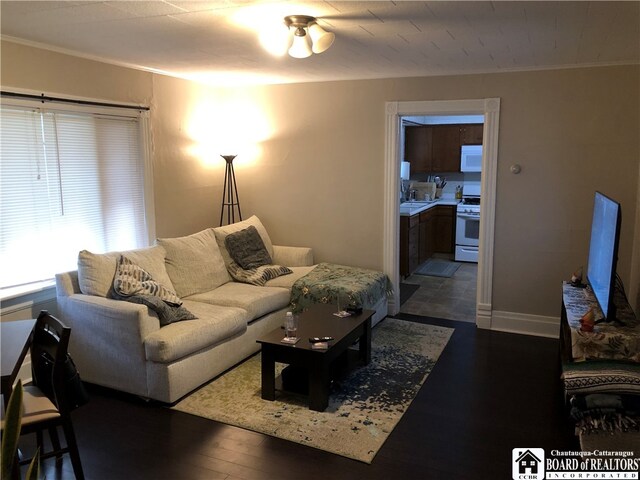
x=247, y=248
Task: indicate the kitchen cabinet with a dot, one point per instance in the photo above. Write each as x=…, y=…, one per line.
x=422, y=235
x=409, y=244
x=471, y=134
x=444, y=226
x=417, y=141
x=436, y=148
x=427, y=234
x=445, y=150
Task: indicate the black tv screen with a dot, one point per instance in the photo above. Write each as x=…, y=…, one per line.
x=603, y=252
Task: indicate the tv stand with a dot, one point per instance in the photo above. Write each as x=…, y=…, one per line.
x=605, y=362
x=610, y=340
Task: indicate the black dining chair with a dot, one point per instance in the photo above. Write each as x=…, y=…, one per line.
x=46, y=402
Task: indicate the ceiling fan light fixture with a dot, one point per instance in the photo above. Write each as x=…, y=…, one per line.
x=300, y=47
x=318, y=40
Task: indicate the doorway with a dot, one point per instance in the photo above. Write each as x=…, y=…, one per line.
x=490, y=108
x=444, y=282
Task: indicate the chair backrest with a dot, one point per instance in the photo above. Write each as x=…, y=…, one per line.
x=48, y=357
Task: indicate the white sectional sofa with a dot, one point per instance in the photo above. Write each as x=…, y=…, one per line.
x=121, y=345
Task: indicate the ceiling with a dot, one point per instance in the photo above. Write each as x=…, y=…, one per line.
x=217, y=41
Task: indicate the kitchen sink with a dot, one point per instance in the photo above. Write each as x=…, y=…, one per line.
x=415, y=206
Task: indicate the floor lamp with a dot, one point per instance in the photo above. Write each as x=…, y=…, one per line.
x=230, y=199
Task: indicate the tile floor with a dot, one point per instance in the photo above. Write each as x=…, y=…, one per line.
x=452, y=298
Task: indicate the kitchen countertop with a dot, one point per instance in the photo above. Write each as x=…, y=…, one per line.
x=408, y=209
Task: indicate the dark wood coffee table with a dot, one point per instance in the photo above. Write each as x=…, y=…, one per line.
x=318, y=321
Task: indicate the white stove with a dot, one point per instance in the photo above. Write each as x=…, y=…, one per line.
x=468, y=225
x=469, y=204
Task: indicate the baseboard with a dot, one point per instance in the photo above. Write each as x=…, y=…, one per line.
x=538, y=325
x=483, y=315
x=393, y=305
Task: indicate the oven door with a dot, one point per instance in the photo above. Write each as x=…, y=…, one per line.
x=468, y=229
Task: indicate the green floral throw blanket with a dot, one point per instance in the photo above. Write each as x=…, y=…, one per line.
x=339, y=285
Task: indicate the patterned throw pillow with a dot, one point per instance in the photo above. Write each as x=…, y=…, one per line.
x=259, y=275
x=247, y=249
x=131, y=279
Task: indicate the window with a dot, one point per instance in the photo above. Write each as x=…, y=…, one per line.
x=70, y=179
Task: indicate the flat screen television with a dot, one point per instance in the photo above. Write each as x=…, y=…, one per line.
x=603, y=252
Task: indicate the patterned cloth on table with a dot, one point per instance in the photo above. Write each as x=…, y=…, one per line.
x=329, y=283
x=610, y=341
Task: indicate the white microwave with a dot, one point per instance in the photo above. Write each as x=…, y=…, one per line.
x=471, y=158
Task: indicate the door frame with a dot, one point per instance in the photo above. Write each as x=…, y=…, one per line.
x=490, y=108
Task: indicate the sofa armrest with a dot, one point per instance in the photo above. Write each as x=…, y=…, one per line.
x=292, y=256
x=67, y=284
x=107, y=340
x=126, y=320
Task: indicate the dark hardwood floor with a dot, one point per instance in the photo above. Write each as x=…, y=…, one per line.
x=489, y=392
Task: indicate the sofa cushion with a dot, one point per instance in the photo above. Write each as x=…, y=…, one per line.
x=287, y=281
x=247, y=249
x=194, y=263
x=213, y=325
x=292, y=256
x=96, y=270
x=257, y=301
x=222, y=232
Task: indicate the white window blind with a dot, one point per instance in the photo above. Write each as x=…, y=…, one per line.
x=69, y=181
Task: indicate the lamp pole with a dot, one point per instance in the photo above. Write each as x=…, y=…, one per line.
x=230, y=199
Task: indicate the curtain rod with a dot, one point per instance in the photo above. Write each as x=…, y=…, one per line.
x=44, y=98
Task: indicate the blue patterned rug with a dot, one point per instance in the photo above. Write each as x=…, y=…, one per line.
x=363, y=408
x=438, y=267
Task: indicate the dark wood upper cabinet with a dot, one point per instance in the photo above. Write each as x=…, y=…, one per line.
x=436, y=148
x=471, y=134
x=446, y=148
x=417, y=148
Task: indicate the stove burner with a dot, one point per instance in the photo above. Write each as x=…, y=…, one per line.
x=471, y=201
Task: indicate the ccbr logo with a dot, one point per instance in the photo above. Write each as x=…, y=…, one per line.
x=528, y=463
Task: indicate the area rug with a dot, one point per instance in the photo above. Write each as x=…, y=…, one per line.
x=363, y=409
x=437, y=267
